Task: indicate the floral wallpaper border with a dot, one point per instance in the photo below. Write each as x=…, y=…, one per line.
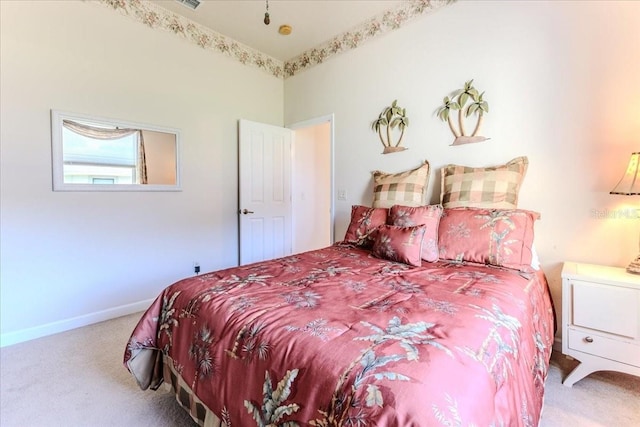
x=159, y=18
x=383, y=23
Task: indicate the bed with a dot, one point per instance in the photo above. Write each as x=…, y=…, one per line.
x=421, y=316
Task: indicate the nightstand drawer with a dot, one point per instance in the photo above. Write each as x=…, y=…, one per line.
x=598, y=345
x=606, y=308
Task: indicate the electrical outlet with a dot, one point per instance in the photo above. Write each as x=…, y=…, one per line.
x=196, y=267
x=342, y=194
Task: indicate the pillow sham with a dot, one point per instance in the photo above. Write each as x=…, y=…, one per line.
x=429, y=216
x=400, y=244
x=404, y=188
x=500, y=237
x=495, y=187
x=364, y=220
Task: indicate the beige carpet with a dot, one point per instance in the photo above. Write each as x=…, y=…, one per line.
x=77, y=379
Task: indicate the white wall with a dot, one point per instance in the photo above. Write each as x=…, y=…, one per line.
x=311, y=187
x=563, y=84
x=72, y=257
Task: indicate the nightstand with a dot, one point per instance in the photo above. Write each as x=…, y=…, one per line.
x=600, y=319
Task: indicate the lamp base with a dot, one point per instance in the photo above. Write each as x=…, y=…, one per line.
x=634, y=266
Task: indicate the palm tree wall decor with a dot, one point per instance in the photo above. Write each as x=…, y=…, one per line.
x=389, y=119
x=458, y=101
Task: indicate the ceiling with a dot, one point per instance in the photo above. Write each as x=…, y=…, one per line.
x=313, y=21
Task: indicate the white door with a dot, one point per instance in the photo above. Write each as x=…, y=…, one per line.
x=264, y=191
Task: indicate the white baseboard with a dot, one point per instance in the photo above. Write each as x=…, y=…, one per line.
x=23, y=335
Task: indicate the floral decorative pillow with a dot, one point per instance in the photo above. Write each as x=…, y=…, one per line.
x=501, y=237
x=364, y=220
x=494, y=187
x=429, y=216
x=400, y=244
x=404, y=188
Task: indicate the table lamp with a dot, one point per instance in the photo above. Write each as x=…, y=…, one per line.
x=629, y=185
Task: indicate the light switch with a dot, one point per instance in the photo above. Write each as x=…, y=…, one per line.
x=342, y=194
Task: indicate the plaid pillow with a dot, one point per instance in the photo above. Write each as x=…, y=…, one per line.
x=404, y=188
x=489, y=187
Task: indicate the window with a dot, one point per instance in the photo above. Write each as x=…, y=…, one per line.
x=93, y=161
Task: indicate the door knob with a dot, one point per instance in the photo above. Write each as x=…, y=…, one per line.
x=245, y=211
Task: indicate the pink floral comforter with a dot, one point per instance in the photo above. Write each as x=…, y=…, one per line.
x=336, y=337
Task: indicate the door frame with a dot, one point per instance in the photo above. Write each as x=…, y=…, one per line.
x=330, y=118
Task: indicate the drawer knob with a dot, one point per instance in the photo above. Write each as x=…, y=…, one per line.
x=588, y=339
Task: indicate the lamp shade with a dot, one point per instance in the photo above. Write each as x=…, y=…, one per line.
x=629, y=185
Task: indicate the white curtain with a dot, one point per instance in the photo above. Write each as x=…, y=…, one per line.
x=105, y=134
